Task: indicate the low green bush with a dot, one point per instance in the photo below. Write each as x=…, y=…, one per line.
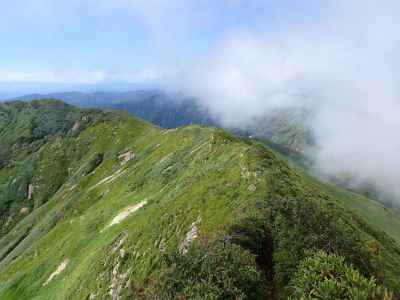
x=93, y=163
x=324, y=276
x=221, y=271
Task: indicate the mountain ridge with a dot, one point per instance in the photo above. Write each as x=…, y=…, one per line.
x=101, y=231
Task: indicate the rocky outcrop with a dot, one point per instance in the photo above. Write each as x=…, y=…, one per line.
x=30, y=191
x=190, y=237
x=58, y=271
x=24, y=210
x=126, y=157
x=126, y=213
x=76, y=126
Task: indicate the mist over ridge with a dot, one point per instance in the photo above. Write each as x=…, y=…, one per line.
x=344, y=70
x=338, y=60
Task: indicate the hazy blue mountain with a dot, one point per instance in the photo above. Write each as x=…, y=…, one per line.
x=154, y=106
x=284, y=127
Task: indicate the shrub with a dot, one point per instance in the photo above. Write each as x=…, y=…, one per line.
x=324, y=276
x=93, y=163
x=220, y=271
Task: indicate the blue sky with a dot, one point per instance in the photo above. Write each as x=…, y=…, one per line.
x=58, y=44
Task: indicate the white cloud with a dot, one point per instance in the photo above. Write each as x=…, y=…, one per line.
x=346, y=68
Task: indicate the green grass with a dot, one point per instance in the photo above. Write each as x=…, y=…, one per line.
x=188, y=174
x=374, y=212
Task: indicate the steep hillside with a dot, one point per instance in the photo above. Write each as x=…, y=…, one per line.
x=25, y=128
x=386, y=218
x=99, y=205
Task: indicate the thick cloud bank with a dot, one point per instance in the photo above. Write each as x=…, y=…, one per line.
x=346, y=69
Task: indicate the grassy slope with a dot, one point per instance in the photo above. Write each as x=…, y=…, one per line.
x=24, y=129
x=185, y=175
x=374, y=212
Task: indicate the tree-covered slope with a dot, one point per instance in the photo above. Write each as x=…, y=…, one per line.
x=122, y=209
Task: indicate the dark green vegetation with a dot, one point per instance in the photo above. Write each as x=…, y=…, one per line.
x=329, y=277
x=99, y=205
x=220, y=271
x=25, y=133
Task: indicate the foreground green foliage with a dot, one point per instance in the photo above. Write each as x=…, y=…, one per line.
x=98, y=227
x=324, y=276
x=218, y=271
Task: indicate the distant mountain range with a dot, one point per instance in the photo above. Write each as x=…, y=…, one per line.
x=154, y=106
x=284, y=127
